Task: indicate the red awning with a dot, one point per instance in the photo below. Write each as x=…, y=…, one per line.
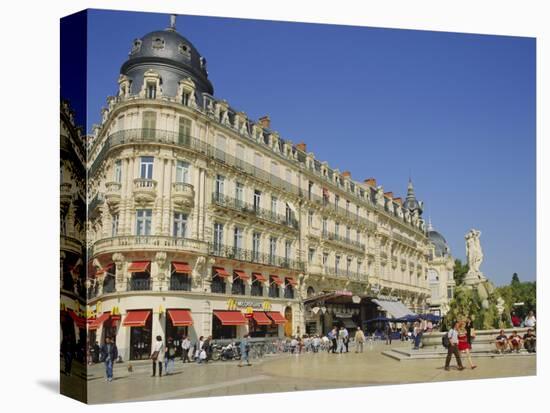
x=182, y=267
x=276, y=317
x=277, y=280
x=291, y=281
x=95, y=324
x=180, y=317
x=220, y=272
x=261, y=318
x=79, y=321
x=138, y=266
x=231, y=318
x=136, y=318
x=105, y=269
x=259, y=277
x=241, y=274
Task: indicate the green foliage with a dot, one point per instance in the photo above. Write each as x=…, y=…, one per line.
x=468, y=303
x=459, y=271
x=519, y=292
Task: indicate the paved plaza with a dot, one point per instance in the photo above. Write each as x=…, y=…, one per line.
x=285, y=372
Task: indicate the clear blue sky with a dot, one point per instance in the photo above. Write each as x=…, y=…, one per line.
x=455, y=111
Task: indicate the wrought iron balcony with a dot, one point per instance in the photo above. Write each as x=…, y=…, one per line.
x=250, y=209
x=180, y=283
x=139, y=284
x=241, y=254
x=331, y=236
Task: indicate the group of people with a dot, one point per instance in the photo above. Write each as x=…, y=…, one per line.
x=529, y=321
x=460, y=338
x=514, y=342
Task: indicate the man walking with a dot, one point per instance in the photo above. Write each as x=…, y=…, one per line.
x=109, y=353
x=453, y=347
x=245, y=349
x=185, y=346
x=388, y=331
x=359, y=340
x=170, y=356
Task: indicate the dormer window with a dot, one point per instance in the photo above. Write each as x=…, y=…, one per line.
x=136, y=47
x=185, y=50
x=158, y=43
x=151, y=91
x=185, y=98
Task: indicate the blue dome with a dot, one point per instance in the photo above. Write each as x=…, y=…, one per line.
x=439, y=242
x=172, y=56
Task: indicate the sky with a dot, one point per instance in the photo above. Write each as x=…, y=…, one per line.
x=455, y=112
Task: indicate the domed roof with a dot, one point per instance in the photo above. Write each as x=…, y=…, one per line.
x=440, y=244
x=172, y=56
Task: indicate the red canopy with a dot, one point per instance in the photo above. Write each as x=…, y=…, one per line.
x=95, y=324
x=138, y=266
x=291, y=281
x=136, y=318
x=276, y=317
x=182, y=267
x=277, y=280
x=261, y=318
x=259, y=277
x=241, y=274
x=231, y=318
x=180, y=317
x=220, y=271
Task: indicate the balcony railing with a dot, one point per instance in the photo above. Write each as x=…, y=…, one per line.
x=180, y=283
x=145, y=242
x=241, y=206
x=344, y=273
x=400, y=238
x=217, y=287
x=289, y=293
x=274, y=291
x=175, y=138
x=139, y=284
x=331, y=236
x=242, y=254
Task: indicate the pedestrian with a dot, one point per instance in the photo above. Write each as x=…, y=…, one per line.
x=206, y=346
x=157, y=356
x=388, y=331
x=67, y=351
x=417, y=333
x=95, y=353
x=530, y=341
x=316, y=343
x=340, y=342
x=333, y=337
x=108, y=354
x=198, y=349
x=453, y=347
x=185, y=346
x=530, y=320
x=245, y=350
x=359, y=340
x=404, y=332
x=293, y=345
x=516, y=321
x=346, y=339
x=464, y=345
x=170, y=356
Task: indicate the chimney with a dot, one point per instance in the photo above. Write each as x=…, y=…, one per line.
x=265, y=122
x=370, y=182
x=399, y=201
x=346, y=174
x=301, y=146
x=389, y=194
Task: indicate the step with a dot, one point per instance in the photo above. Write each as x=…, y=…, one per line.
x=401, y=355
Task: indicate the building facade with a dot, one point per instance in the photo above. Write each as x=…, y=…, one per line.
x=440, y=273
x=204, y=222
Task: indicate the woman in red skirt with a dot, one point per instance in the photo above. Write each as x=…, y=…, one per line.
x=463, y=345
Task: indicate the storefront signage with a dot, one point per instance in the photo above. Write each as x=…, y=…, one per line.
x=233, y=304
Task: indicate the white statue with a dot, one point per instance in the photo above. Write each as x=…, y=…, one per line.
x=473, y=251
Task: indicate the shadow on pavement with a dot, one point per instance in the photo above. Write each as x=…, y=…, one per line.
x=51, y=385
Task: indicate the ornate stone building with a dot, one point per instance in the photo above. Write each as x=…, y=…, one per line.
x=72, y=227
x=440, y=273
x=204, y=222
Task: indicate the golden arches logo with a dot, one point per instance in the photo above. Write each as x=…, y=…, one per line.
x=266, y=306
x=231, y=304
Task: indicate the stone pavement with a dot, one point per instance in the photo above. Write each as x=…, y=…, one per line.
x=287, y=372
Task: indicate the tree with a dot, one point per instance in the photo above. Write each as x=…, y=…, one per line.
x=460, y=271
x=515, y=279
x=519, y=292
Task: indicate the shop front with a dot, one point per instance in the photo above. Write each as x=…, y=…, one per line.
x=140, y=324
x=329, y=309
x=178, y=322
